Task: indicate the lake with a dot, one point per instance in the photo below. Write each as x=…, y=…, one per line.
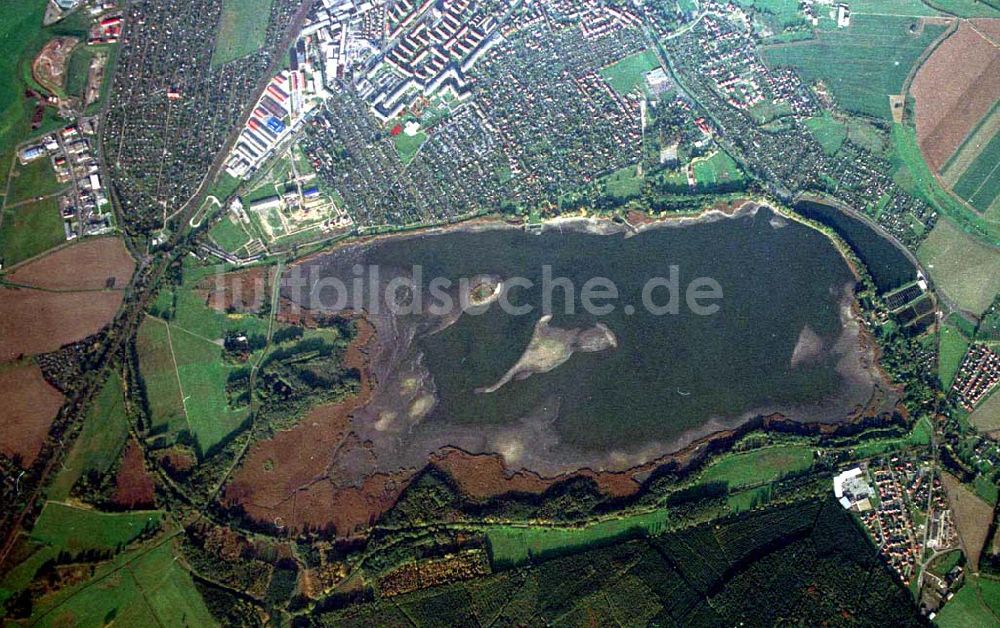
x=610, y=389
x=888, y=265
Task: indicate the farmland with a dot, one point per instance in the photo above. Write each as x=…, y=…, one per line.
x=976, y=604
x=29, y=181
x=143, y=587
x=30, y=229
x=36, y=321
x=22, y=22
x=159, y=376
x=986, y=417
x=863, y=64
x=954, y=344
x=971, y=147
x=980, y=183
x=76, y=529
x=626, y=75
x=93, y=264
x=972, y=516
x=241, y=29
x=913, y=175
x=101, y=439
x=954, y=89
x=29, y=405
x=966, y=270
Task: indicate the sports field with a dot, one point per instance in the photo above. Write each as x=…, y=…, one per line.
x=980, y=183
x=863, y=64
x=408, y=145
x=241, y=29
x=229, y=235
x=717, y=169
x=626, y=75
x=30, y=229
x=965, y=269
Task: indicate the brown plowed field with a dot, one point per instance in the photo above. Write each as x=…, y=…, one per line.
x=34, y=321
x=133, y=486
x=29, y=405
x=972, y=518
x=244, y=291
x=90, y=265
x=954, y=89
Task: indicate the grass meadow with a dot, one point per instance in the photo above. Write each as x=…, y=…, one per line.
x=241, y=29
x=862, y=64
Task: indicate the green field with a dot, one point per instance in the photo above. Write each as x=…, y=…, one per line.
x=408, y=145
x=828, y=132
x=920, y=435
x=203, y=376
x=915, y=177
x=22, y=21
x=160, y=378
x=229, y=235
x=77, y=70
x=953, y=346
x=976, y=604
x=782, y=12
x=104, y=432
x=183, y=367
x=624, y=183
x=927, y=8
x=241, y=29
x=626, y=75
x=146, y=587
x=32, y=180
x=968, y=8
x=945, y=563
x=979, y=185
x=986, y=417
x=862, y=64
x=512, y=545
x=758, y=466
x=30, y=229
x=718, y=169
x=965, y=269
x=77, y=529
